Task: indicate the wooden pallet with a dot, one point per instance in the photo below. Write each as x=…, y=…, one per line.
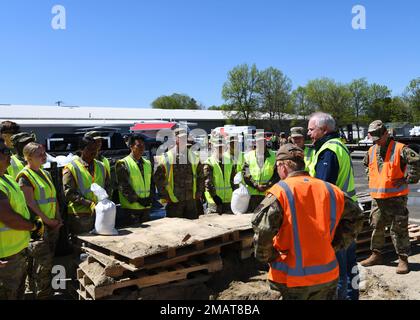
x=144, y=246
x=414, y=232
x=115, y=268
x=145, y=278
x=121, y=294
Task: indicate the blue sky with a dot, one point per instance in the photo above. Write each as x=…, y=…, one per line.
x=127, y=53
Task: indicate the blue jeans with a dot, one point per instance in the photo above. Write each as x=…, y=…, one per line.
x=348, y=282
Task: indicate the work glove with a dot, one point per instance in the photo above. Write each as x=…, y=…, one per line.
x=217, y=200
x=37, y=232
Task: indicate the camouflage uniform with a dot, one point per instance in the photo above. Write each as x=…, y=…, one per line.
x=246, y=173
x=12, y=277
x=40, y=263
x=393, y=211
x=40, y=256
x=186, y=207
x=82, y=222
x=267, y=221
x=124, y=186
x=208, y=183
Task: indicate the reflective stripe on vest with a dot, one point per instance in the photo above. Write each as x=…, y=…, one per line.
x=84, y=180
x=15, y=167
x=106, y=165
x=260, y=175
x=139, y=183
x=46, y=204
x=299, y=270
x=380, y=181
x=346, y=185
x=221, y=180
x=13, y=241
x=84, y=190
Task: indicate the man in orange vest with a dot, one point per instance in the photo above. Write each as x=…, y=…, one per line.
x=299, y=226
x=386, y=162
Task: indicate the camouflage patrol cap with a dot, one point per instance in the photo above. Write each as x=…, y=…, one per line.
x=22, y=138
x=289, y=151
x=296, y=132
x=94, y=135
x=376, y=130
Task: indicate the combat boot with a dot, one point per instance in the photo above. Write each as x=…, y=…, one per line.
x=374, y=259
x=402, y=265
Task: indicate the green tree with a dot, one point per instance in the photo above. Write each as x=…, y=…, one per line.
x=176, y=101
x=359, y=90
x=300, y=103
x=241, y=94
x=329, y=96
x=274, y=90
x=379, y=102
x=412, y=96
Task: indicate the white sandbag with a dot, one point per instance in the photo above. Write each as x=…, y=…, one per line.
x=240, y=197
x=106, y=211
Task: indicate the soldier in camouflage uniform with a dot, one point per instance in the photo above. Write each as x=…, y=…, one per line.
x=186, y=202
x=268, y=221
x=393, y=210
x=219, y=206
x=133, y=216
x=251, y=182
x=82, y=222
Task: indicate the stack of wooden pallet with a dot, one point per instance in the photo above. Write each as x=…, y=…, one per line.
x=175, y=251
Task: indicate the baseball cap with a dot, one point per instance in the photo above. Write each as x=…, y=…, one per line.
x=376, y=130
x=289, y=151
x=297, y=132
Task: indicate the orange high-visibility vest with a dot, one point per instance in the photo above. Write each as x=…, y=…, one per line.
x=312, y=209
x=381, y=184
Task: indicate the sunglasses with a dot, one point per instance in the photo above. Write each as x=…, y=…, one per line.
x=6, y=151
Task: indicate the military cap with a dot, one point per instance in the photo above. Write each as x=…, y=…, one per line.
x=376, y=130
x=296, y=132
x=289, y=151
x=23, y=138
x=94, y=134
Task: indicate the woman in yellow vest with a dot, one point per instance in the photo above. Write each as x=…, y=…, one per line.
x=41, y=198
x=15, y=227
x=78, y=176
x=134, y=179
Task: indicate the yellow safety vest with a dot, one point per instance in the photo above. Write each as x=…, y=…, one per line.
x=84, y=181
x=107, y=165
x=44, y=191
x=15, y=167
x=345, y=180
x=221, y=179
x=309, y=155
x=260, y=175
x=140, y=183
x=13, y=241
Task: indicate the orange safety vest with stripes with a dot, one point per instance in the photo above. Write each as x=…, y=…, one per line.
x=381, y=182
x=312, y=209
